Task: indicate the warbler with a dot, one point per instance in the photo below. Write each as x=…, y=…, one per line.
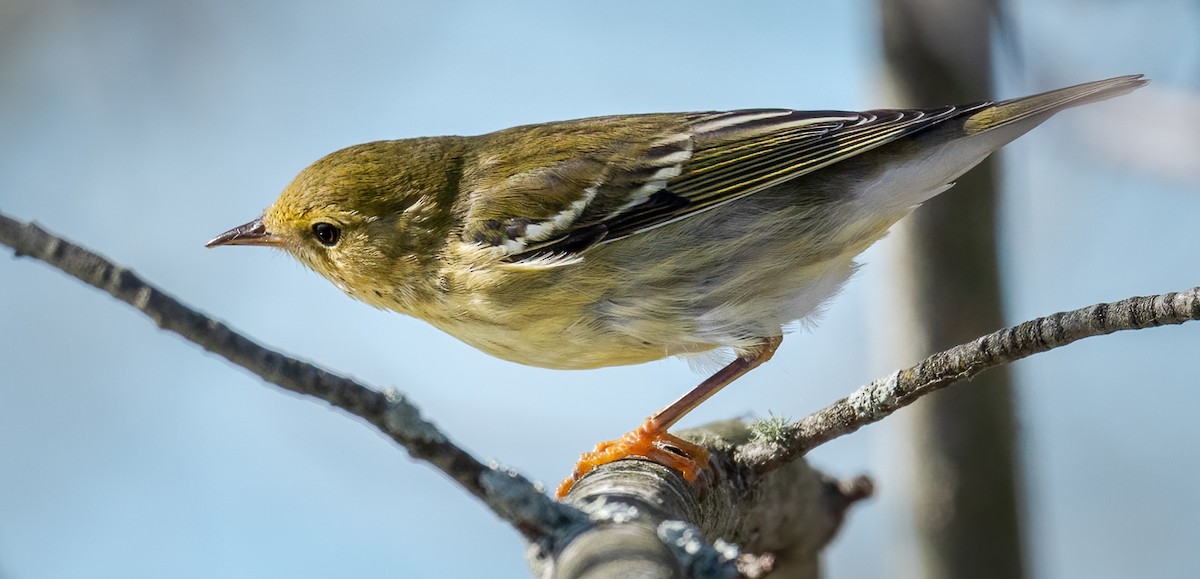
x=624, y=239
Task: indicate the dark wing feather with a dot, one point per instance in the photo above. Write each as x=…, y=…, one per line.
x=712, y=159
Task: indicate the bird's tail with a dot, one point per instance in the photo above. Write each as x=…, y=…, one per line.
x=954, y=148
x=1045, y=104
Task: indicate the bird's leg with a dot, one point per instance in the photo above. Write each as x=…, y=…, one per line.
x=652, y=441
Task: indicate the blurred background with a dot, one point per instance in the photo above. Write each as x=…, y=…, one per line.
x=142, y=129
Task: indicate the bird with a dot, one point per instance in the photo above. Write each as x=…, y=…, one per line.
x=624, y=239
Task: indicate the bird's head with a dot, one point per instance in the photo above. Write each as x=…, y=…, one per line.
x=370, y=218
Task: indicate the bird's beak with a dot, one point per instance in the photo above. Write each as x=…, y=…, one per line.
x=253, y=233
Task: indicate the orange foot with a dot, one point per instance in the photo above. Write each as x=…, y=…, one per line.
x=648, y=441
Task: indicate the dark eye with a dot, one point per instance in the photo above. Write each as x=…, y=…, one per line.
x=326, y=233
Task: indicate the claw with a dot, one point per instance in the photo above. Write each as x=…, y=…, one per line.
x=647, y=441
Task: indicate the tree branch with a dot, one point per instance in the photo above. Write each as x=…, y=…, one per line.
x=792, y=514
x=651, y=523
x=758, y=494
x=509, y=494
x=875, y=401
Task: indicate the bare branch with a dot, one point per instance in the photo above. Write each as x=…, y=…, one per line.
x=789, y=514
x=550, y=527
x=509, y=494
x=873, y=402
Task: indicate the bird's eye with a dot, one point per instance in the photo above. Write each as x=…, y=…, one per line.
x=326, y=233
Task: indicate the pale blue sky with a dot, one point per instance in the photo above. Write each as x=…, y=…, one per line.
x=142, y=129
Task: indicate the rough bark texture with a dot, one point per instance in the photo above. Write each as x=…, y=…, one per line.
x=966, y=496
x=638, y=518
x=779, y=521
x=879, y=399
x=505, y=492
x=635, y=518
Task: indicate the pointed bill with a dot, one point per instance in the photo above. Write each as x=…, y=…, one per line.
x=253, y=233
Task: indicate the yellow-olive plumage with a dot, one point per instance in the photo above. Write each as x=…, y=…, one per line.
x=624, y=239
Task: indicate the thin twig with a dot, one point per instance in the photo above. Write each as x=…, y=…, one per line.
x=509, y=494
x=873, y=402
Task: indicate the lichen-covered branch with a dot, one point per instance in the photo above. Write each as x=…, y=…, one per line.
x=873, y=402
x=791, y=514
x=510, y=495
x=758, y=495
x=650, y=523
x=561, y=534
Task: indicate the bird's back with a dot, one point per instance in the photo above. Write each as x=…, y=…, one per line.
x=628, y=239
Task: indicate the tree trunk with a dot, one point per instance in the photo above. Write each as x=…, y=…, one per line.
x=965, y=468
